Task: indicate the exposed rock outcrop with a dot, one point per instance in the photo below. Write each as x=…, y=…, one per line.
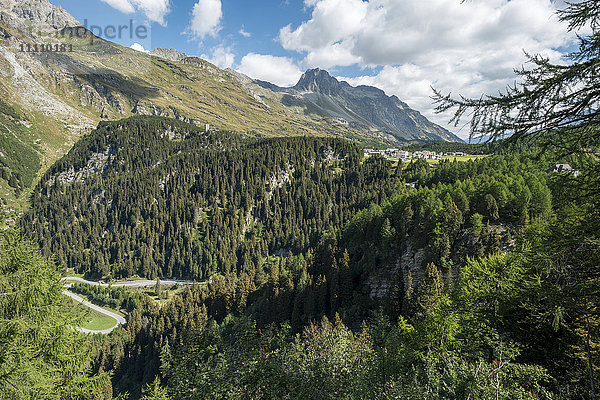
x=35, y=14
x=168, y=54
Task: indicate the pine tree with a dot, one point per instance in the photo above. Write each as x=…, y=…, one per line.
x=153, y=391
x=346, y=285
x=157, y=288
x=429, y=290
x=334, y=289
x=166, y=358
x=489, y=207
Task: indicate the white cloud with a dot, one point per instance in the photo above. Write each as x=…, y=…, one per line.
x=243, y=32
x=465, y=47
x=139, y=47
x=221, y=56
x=332, y=21
x=281, y=71
x=155, y=10
x=121, y=5
x=206, y=19
x=332, y=56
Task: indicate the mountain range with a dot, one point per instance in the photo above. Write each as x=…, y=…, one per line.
x=52, y=98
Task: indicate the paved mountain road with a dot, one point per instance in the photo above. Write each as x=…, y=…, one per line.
x=141, y=283
x=119, y=320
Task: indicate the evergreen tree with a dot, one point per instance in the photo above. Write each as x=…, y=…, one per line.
x=429, y=290
x=153, y=391
x=41, y=355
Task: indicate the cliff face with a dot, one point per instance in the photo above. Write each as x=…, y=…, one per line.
x=169, y=54
x=407, y=263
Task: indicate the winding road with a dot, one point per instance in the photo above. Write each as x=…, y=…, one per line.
x=119, y=320
x=140, y=283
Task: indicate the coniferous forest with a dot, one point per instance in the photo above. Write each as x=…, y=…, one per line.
x=154, y=197
x=318, y=268
x=316, y=273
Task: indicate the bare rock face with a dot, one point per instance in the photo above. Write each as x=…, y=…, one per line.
x=143, y=107
x=318, y=80
x=411, y=262
x=35, y=14
x=205, y=65
x=168, y=54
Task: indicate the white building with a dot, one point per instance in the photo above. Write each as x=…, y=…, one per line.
x=427, y=155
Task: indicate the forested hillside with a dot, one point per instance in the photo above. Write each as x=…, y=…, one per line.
x=486, y=326
x=289, y=230
x=303, y=236
x=156, y=197
x=41, y=356
x=313, y=272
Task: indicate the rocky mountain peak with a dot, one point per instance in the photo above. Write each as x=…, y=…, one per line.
x=39, y=14
x=318, y=80
x=366, y=106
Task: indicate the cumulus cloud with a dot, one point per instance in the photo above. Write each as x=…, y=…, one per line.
x=138, y=47
x=281, y=71
x=155, y=10
x=221, y=56
x=468, y=48
x=206, y=19
x=332, y=21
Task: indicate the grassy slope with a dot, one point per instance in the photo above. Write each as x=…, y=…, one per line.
x=459, y=159
x=91, y=319
x=97, y=321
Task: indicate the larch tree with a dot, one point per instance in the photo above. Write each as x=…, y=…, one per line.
x=554, y=107
x=41, y=356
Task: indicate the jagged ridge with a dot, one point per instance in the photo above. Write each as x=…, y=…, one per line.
x=320, y=93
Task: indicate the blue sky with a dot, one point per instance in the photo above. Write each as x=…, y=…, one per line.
x=262, y=19
x=401, y=46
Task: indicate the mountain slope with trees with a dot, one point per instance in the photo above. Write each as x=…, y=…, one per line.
x=490, y=266
x=157, y=197
x=42, y=356
x=521, y=323
x=288, y=230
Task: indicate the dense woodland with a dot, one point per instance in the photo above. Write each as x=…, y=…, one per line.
x=458, y=210
x=195, y=204
x=300, y=245
x=324, y=276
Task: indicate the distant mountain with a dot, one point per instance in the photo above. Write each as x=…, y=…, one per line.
x=320, y=93
x=49, y=99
